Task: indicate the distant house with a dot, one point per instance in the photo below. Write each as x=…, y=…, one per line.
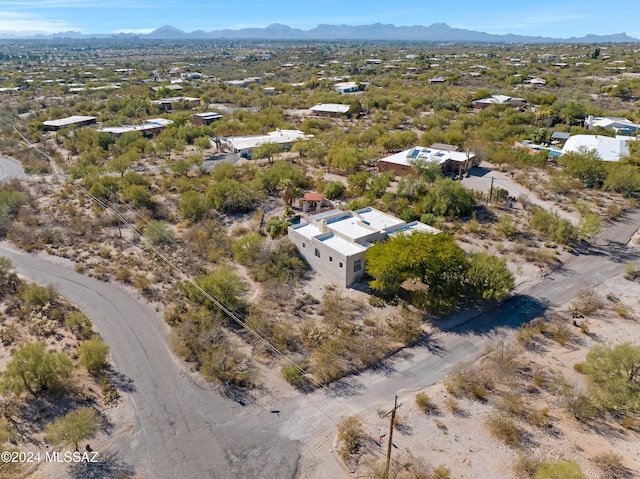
x=77, y=121
x=244, y=145
x=334, y=242
x=149, y=127
x=167, y=103
x=347, y=87
x=621, y=126
x=498, y=100
x=173, y=87
x=269, y=90
x=609, y=149
x=402, y=164
x=207, y=118
x=536, y=82
x=329, y=109
x=437, y=81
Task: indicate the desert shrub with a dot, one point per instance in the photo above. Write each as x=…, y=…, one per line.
x=36, y=295
x=351, y=434
x=525, y=467
x=512, y=404
x=614, y=372
x=79, y=324
x=587, y=302
x=582, y=407
x=93, y=354
x=123, y=275
x=452, y=405
x=468, y=382
x=611, y=466
x=158, y=232
x=559, y=330
x=423, y=401
x=293, y=374
x=505, y=429
x=560, y=469
x=540, y=417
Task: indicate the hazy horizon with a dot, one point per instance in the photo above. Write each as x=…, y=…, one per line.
x=545, y=18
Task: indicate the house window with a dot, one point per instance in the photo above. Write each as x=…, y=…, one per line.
x=357, y=265
x=303, y=245
x=341, y=264
x=330, y=258
x=317, y=252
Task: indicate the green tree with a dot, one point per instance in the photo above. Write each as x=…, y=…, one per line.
x=121, y=164
x=247, y=249
x=138, y=196
x=433, y=259
x=224, y=286
x=334, y=189
x=615, y=374
x=74, y=427
x=158, y=232
x=358, y=182
x=34, y=369
x=489, y=276
x=192, y=205
x=586, y=166
x=623, y=178
x=447, y=198
x=506, y=226
x=93, y=354
x=267, y=150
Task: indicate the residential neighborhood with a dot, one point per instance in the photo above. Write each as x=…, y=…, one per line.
x=255, y=255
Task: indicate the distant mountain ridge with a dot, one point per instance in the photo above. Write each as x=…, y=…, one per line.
x=437, y=32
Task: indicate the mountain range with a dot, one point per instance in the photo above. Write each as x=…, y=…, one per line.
x=437, y=32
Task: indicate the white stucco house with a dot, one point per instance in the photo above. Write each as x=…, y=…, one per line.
x=608, y=148
x=334, y=242
x=621, y=126
x=244, y=145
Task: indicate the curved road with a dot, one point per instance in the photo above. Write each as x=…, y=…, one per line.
x=181, y=430
x=10, y=169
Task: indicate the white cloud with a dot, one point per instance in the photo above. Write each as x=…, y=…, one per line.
x=21, y=22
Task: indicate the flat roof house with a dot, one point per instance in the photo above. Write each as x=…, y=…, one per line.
x=329, y=109
x=334, y=242
x=244, y=145
x=609, y=149
x=498, y=100
x=621, y=126
x=167, y=103
x=201, y=119
x=77, y=121
x=402, y=164
x=150, y=127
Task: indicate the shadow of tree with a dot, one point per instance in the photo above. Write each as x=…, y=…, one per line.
x=108, y=466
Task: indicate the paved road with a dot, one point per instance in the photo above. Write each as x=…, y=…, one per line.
x=10, y=169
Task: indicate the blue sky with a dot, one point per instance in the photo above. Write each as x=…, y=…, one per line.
x=556, y=18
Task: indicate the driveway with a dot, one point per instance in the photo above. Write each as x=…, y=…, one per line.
x=482, y=177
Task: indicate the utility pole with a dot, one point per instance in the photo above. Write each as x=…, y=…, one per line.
x=490, y=191
x=393, y=419
x=115, y=208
